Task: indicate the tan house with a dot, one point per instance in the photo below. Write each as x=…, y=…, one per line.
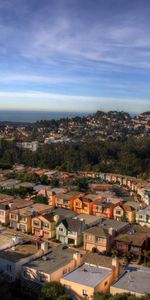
x=96, y=238
x=21, y=219
x=135, y=280
x=8, y=206
x=44, y=226
x=89, y=279
x=124, y=212
x=58, y=262
x=4, y=213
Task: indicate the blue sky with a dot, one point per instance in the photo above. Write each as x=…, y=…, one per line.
x=75, y=55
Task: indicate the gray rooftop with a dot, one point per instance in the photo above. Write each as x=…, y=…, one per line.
x=89, y=219
x=88, y=275
x=63, y=212
x=145, y=211
x=135, y=279
x=53, y=261
x=39, y=187
x=110, y=223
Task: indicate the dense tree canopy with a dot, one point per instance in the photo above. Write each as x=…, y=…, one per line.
x=130, y=157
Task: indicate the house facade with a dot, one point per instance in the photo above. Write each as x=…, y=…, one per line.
x=44, y=226
x=96, y=238
x=143, y=217
x=70, y=231
x=21, y=219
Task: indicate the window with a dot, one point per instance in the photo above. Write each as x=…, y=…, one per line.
x=13, y=216
x=140, y=217
x=1, y=213
x=84, y=293
x=46, y=225
x=118, y=212
x=60, y=229
x=22, y=218
x=9, y=268
x=36, y=223
x=43, y=277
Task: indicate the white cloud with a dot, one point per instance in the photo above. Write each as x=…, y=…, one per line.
x=58, y=102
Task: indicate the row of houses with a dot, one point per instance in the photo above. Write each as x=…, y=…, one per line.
x=141, y=187
x=103, y=204
x=35, y=263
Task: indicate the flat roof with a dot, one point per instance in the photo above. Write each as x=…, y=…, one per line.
x=89, y=219
x=5, y=238
x=88, y=275
x=18, y=252
x=64, y=212
x=57, y=258
x=37, y=207
x=134, y=279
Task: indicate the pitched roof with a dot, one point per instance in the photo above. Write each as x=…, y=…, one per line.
x=97, y=231
x=4, y=206
x=98, y=260
x=48, y=217
x=72, y=224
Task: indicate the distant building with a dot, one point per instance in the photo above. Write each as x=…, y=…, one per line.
x=143, y=217
x=32, y=146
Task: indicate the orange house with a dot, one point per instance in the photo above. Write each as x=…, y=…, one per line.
x=105, y=208
x=67, y=200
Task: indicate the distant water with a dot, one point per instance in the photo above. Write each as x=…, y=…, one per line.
x=33, y=116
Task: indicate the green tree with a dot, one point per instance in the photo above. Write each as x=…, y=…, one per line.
x=41, y=199
x=51, y=291
x=82, y=184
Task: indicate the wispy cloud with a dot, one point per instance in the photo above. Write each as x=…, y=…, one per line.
x=58, y=102
x=95, y=48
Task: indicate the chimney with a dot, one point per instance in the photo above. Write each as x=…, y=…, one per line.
x=44, y=247
x=78, y=258
x=115, y=268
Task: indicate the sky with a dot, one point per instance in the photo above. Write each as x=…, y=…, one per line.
x=75, y=55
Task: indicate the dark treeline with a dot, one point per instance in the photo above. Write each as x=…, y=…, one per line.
x=131, y=157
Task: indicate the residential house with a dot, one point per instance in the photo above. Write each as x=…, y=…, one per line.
x=7, y=206
x=70, y=231
x=21, y=219
x=105, y=208
x=143, y=217
x=124, y=212
x=52, y=266
x=89, y=279
x=134, y=241
x=97, y=238
x=4, y=213
x=135, y=280
x=16, y=254
x=44, y=226
x=101, y=237
x=84, y=203
x=66, y=200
